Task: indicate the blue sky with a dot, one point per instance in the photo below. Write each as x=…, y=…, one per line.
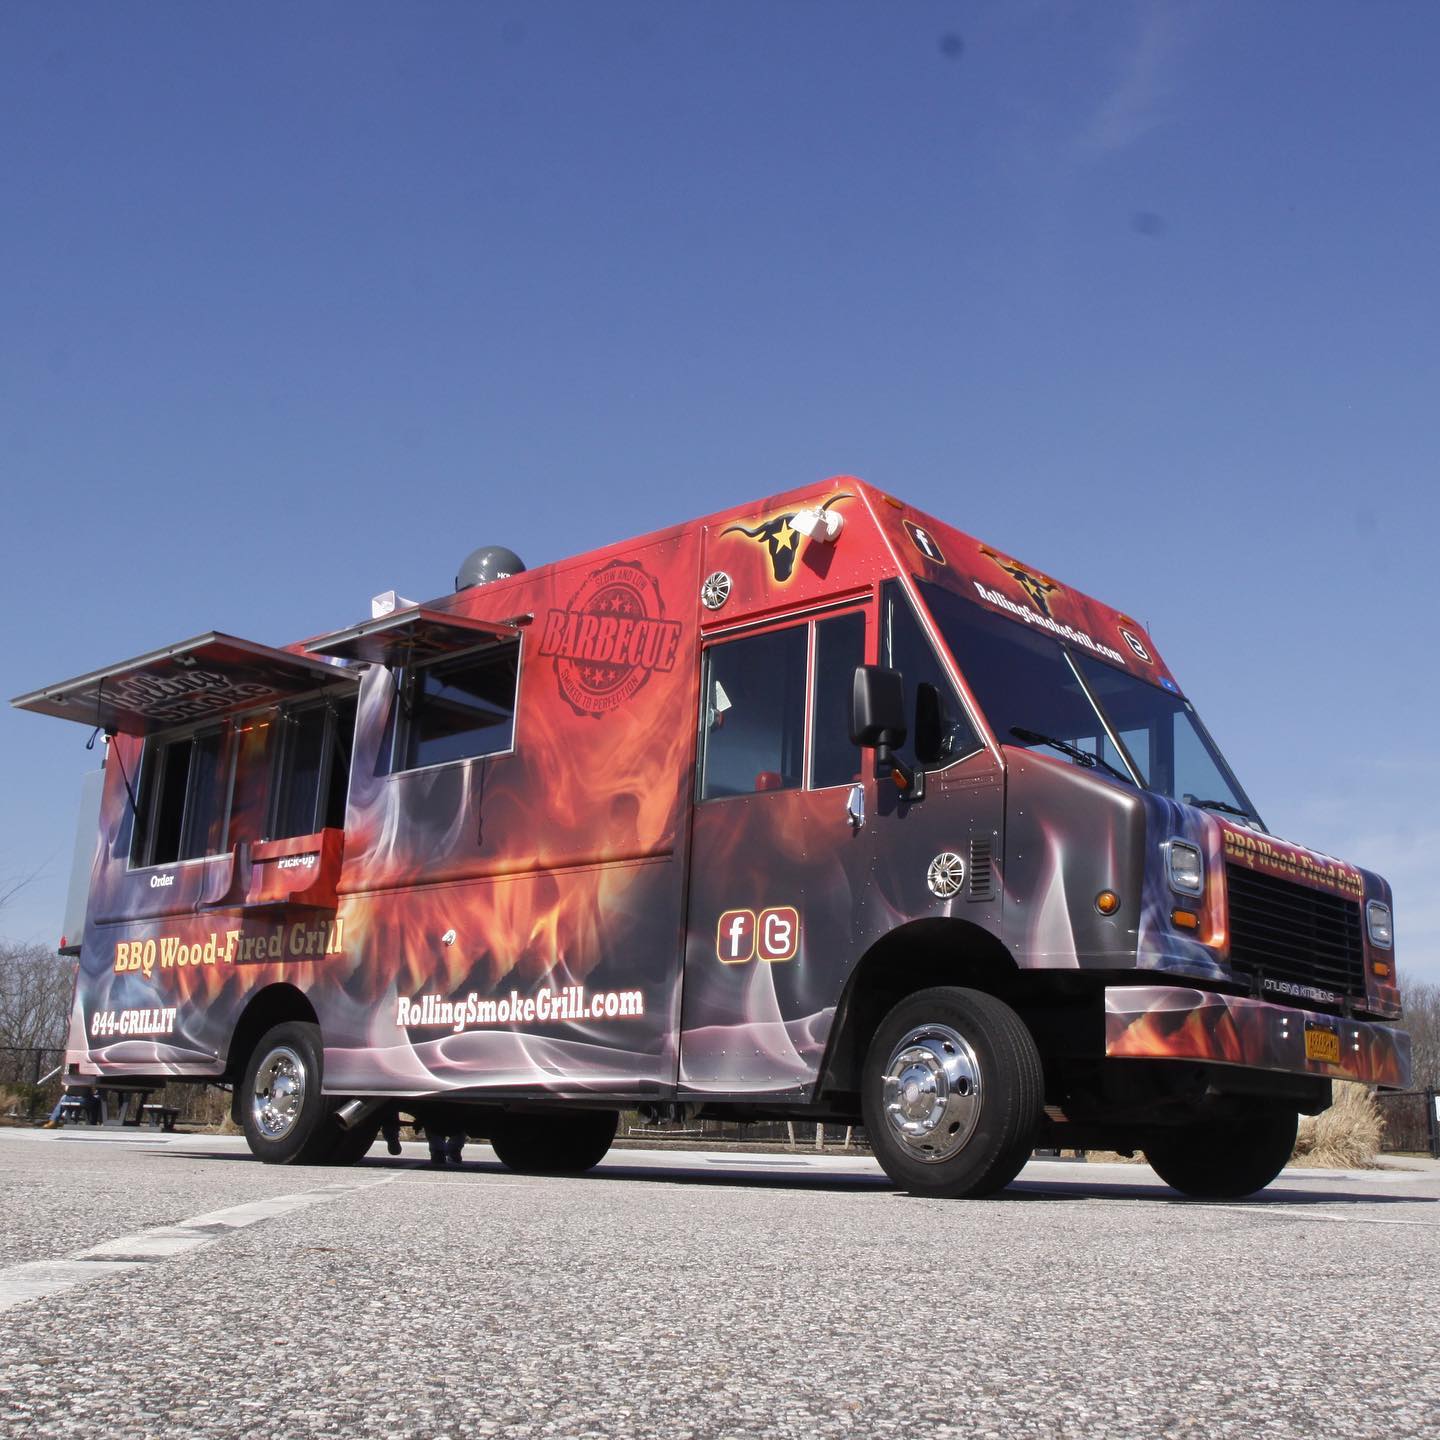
x=304, y=302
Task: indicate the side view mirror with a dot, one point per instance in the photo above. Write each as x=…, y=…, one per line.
x=935, y=726
x=877, y=712
x=877, y=722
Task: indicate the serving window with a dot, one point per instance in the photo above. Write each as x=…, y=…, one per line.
x=458, y=708
x=312, y=768
x=184, y=798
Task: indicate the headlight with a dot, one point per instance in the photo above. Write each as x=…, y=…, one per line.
x=1185, y=868
x=1377, y=920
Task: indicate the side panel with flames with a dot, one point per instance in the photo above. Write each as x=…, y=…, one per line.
x=548, y=877
x=519, y=891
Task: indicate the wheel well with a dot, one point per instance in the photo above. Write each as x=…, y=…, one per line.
x=272, y=1006
x=913, y=957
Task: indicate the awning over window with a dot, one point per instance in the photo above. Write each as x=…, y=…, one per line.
x=207, y=678
x=412, y=636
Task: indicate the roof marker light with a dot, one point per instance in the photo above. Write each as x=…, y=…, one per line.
x=817, y=523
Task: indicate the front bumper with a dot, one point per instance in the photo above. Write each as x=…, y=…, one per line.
x=1164, y=1022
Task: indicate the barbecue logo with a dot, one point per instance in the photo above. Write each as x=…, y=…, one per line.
x=1037, y=586
x=610, y=638
x=780, y=539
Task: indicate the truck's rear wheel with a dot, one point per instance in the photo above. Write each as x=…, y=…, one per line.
x=354, y=1145
x=952, y=1093
x=1223, y=1160
x=287, y=1120
x=559, y=1144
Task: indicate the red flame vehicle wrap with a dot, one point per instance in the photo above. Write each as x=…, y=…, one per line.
x=1170, y=1023
x=568, y=917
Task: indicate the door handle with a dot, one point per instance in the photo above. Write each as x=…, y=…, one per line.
x=855, y=806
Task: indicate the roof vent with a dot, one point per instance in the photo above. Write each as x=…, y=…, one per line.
x=489, y=562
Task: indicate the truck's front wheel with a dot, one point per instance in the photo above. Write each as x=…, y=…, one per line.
x=287, y=1120
x=952, y=1093
x=1223, y=1160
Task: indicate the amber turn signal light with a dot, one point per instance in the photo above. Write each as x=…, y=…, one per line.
x=1185, y=919
x=1107, y=902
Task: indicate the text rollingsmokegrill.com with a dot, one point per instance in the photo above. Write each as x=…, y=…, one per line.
x=546, y=1006
x=1034, y=617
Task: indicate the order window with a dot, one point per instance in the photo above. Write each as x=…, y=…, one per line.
x=459, y=707
x=184, y=797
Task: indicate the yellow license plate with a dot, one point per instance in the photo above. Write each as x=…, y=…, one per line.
x=1322, y=1044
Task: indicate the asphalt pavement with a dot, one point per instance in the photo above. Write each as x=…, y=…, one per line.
x=158, y=1285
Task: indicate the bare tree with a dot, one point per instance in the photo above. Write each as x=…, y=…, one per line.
x=1422, y=1020
x=35, y=989
x=12, y=885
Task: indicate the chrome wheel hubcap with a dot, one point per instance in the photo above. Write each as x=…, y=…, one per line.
x=279, y=1092
x=932, y=1093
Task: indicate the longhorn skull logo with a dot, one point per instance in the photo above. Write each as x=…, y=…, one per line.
x=780, y=539
x=1037, y=587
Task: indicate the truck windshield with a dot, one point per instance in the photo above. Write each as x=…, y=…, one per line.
x=1073, y=706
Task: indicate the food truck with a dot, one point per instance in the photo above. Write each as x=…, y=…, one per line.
x=817, y=808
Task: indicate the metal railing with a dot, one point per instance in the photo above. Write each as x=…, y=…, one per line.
x=1412, y=1121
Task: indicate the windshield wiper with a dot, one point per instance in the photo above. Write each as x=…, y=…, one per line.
x=1219, y=805
x=1034, y=737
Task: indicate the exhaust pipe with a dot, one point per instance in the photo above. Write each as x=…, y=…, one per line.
x=355, y=1112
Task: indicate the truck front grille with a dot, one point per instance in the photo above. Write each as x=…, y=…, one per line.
x=1288, y=932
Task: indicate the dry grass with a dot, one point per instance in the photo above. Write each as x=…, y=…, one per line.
x=15, y=1101
x=1344, y=1137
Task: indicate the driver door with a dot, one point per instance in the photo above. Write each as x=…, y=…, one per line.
x=780, y=853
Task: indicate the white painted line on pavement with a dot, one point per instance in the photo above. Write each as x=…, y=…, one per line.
x=1292, y=1214
x=40, y=1278
x=239, y=1216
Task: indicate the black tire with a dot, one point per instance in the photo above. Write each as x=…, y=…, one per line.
x=1226, y=1159
x=354, y=1145
x=559, y=1144
x=287, y=1120
x=952, y=1092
